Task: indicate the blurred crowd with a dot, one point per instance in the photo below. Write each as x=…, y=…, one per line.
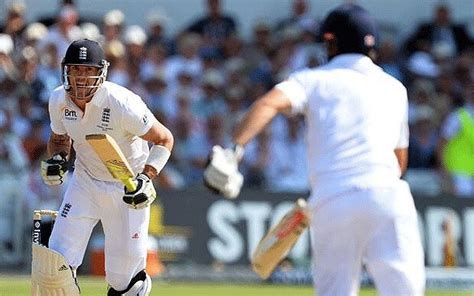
x=199, y=82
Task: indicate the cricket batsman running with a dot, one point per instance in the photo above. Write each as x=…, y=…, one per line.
x=362, y=212
x=87, y=104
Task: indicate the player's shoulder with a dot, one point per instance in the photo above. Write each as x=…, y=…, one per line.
x=58, y=95
x=306, y=74
x=115, y=89
x=119, y=93
x=391, y=82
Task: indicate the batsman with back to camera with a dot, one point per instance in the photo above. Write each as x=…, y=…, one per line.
x=362, y=212
x=87, y=104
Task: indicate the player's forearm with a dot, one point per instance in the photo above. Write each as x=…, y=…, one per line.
x=163, y=142
x=59, y=144
x=259, y=115
x=254, y=121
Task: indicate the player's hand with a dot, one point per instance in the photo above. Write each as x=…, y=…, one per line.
x=143, y=196
x=54, y=170
x=222, y=173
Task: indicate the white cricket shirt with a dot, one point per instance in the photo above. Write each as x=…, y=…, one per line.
x=356, y=116
x=114, y=110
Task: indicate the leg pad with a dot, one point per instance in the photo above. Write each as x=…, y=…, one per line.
x=51, y=275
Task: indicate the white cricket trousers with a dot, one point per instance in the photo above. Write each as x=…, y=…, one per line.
x=377, y=227
x=88, y=201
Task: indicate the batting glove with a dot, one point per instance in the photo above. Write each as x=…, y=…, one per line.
x=54, y=170
x=222, y=173
x=143, y=196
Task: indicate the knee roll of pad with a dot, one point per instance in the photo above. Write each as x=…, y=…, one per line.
x=139, y=285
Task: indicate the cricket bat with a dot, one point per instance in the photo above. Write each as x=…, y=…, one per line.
x=279, y=240
x=110, y=154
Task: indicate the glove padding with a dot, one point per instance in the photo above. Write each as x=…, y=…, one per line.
x=222, y=173
x=143, y=196
x=54, y=170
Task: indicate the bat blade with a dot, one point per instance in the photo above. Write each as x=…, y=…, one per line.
x=279, y=240
x=113, y=158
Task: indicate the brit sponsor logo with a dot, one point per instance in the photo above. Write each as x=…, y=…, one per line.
x=70, y=114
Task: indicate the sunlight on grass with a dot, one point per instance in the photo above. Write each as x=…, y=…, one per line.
x=95, y=286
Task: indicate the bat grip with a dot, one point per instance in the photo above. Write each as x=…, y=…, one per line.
x=131, y=186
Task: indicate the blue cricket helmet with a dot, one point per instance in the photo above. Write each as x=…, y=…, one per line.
x=352, y=27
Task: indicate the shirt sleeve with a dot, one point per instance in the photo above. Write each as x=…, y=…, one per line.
x=55, y=112
x=137, y=118
x=296, y=91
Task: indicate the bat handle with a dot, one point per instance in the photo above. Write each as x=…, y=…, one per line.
x=131, y=186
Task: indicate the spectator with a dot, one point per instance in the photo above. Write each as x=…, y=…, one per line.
x=50, y=20
x=157, y=21
x=135, y=40
x=187, y=58
x=439, y=32
x=215, y=26
x=21, y=120
x=211, y=58
x=212, y=102
x=256, y=160
x=157, y=90
x=456, y=147
x=115, y=53
x=288, y=171
x=300, y=19
x=137, y=85
x=388, y=59
x=91, y=31
x=14, y=163
x=235, y=73
x=186, y=87
x=28, y=63
x=112, y=25
x=15, y=23
x=63, y=31
x=257, y=52
x=447, y=96
x=33, y=33
x=232, y=47
x=189, y=147
x=49, y=70
x=463, y=73
x=309, y=53
x=423, y=140
x=8, y=69
x=8, y=95
x=235, y=97
x=35, y=143
x=155, y=60
x=422, y=93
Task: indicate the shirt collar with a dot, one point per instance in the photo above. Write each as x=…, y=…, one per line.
x=352, y=60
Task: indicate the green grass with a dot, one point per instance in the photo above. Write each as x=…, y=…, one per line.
x=93, y=286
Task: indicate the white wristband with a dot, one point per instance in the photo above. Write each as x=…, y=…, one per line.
x=158, y=157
